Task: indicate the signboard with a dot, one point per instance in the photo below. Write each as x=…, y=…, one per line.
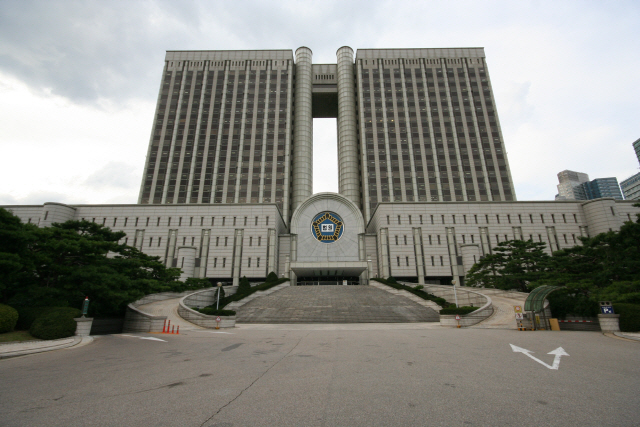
x=344, y=283
x=517, y=308
x=457, y=317
x=218, y=319
x=606, y=309
x=519, y=316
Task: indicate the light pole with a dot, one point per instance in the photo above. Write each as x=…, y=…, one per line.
x=455, y=294
x=218, y=302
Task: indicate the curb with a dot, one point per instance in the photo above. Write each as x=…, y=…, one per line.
x=628, y=337
x=64, y=343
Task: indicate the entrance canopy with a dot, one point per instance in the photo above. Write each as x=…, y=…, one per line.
x=535, y=300
x=333, y=269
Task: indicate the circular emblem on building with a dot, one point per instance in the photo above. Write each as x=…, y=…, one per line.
x=327, y=227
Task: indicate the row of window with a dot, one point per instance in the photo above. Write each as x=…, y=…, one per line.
x=486, y=218
x=400, y=239
x=236, y=221
x=219, y=242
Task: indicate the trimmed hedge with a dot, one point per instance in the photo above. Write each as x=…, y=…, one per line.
x=458, y=310
x=56, y=323
x=629, y=316
x=244, y=292
x=8, y=318
x=211, y=311
x=417, y=292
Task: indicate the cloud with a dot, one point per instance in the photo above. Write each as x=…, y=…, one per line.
x=113, y=174
x=38, y=198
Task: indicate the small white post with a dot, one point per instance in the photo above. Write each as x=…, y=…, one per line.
x=455, y=294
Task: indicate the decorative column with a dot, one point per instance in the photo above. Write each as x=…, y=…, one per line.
x=302, y=181
x=187, y=259
x=348, y=170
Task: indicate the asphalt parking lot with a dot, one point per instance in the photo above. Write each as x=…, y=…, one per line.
x=318, y=375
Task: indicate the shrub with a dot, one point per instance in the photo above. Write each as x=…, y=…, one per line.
x=272, y=277
x=458, y=310
x=8, y=318
x=56, y=323
x=26, y=316
x=418, y=292
x=211, y=311
x=246, y=291
x=418, y=288
x=629, y=316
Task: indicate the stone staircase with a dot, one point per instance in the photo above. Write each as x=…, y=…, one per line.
x=425, y=303
x=236, y=304
x=332, y=304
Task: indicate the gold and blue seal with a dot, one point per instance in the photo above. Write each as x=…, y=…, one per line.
x=327, y=227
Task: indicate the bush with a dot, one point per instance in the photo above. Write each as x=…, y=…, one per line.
x=629, y=316
x=8, y=318
x=246, y=291
x=211, y=311
x=458, y=310
x=272, y=277
x=56, y=323
x=417, y=291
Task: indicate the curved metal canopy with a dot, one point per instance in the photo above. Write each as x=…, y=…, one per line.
x=535, y=300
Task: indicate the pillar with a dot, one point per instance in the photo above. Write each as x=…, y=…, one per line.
x=187, y=261
x=348, y=170
x=302, y=180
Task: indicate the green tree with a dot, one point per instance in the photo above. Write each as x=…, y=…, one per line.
x=513, y=264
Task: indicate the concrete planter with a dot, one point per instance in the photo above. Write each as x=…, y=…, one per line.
x=609, y=322
x=203, y=299
x=83, y=326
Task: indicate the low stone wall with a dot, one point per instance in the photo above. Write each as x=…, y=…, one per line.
x=202, y=299
x=465, y=297
x=136, y=320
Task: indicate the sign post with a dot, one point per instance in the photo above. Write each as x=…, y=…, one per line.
x=85, y=307
x=458, y=320
x=218, y=322
x=519, y=316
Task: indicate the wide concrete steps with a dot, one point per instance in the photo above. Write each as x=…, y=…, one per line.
x=333, y=304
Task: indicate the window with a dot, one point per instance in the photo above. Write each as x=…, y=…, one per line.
x=542, y=218
x=407, y=259
x=472, y=239
x=184, y=240
x=46, y=215
x=259, y=240
x=258, y=262
x=438, y=239
x=250, y=241
x=441, y=260
x=249, y=262
x=464, y=219
x=114, y=221
x=565, y=238
x=509, y=218
x=520, y=218
x=159, y=241
x=409, y=219
x=217, y=240
x=443, y=219
x=574, y=238
x=431, y=219
x=137, y=222
x=245, y=221
x=215, y=262
x=256, y=221
x=421, y=219
x=126, y=240
x=201, y=221
x=224, y=261
x=224, y=218
x=463, y=239
x=150, y=241
x=433, y=261
x=193, y=240
x=405, y=239
x=553, y=218
x=234, y=221
x=564, y=218
x=213, y=220
x=486, y=217
x=267, y=220
x=498, y=218
x=179, y=222
x=225, y=241
x=396, y=240
x=454, y=218
x=575, y=218
x=540, y=237
x=612, y=211
x=388, y=220
x=399, y=220
x=531, y=218
x=497, y=238
x=398, y=258
x=475, y=217
x=104, y=220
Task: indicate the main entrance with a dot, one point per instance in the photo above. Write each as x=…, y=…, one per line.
x=328, y=280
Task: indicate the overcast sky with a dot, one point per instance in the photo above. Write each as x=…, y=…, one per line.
x=79, y=80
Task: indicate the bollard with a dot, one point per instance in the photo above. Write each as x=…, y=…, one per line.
x=173, y=328
x=168, y=326
x=178, y=331
x=164, y=326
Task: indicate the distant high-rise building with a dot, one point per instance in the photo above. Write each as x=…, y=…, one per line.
x=570, y=187
x=576, y=186
x=631, y=186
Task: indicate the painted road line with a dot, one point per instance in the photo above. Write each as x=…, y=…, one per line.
x=558, y=352
x=142, y=338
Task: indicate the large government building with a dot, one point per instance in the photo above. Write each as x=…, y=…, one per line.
x=425, y=187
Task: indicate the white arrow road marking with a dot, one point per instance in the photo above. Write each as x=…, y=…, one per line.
x=143, y=338
x=558, y=352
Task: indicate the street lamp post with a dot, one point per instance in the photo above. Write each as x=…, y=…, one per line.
x=455, y=294
x=218, y=302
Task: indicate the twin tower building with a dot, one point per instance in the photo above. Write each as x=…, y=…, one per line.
x=425, y=188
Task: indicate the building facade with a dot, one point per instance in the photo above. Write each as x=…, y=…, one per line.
x=425, y=188
x=576, y=186
x=631, y=186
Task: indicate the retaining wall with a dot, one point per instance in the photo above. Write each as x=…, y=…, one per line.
x=203, y=299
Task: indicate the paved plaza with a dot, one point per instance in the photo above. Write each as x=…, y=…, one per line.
x=328, y=375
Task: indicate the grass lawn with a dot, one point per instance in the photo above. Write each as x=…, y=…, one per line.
x=16, y=336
